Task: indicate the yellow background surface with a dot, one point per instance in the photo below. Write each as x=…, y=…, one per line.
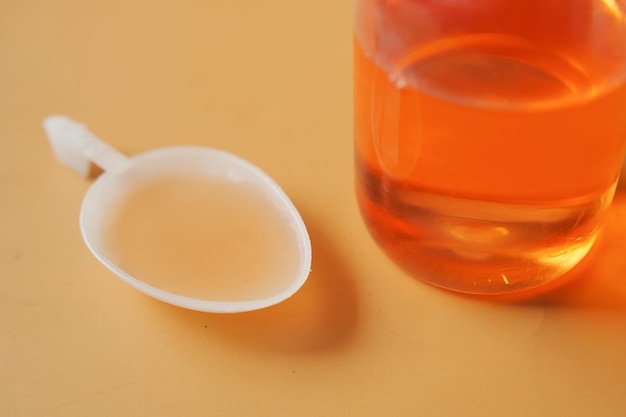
x=270, y=81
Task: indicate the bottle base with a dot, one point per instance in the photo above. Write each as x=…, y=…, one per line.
x=475, y=246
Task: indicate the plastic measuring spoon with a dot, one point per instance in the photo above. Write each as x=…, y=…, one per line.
x=77, y=148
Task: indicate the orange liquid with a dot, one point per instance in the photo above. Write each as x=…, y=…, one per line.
x=485, y=161
x=203, y=238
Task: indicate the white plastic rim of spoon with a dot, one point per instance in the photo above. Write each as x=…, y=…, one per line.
x=76, y=147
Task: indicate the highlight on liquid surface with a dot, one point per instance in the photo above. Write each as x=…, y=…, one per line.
x=492, y=70
x=485, y=161
x=203, y=238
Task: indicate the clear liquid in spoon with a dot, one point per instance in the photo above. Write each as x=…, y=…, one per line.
x=203, y=237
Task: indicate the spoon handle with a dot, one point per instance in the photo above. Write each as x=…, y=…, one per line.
x=77, y=148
